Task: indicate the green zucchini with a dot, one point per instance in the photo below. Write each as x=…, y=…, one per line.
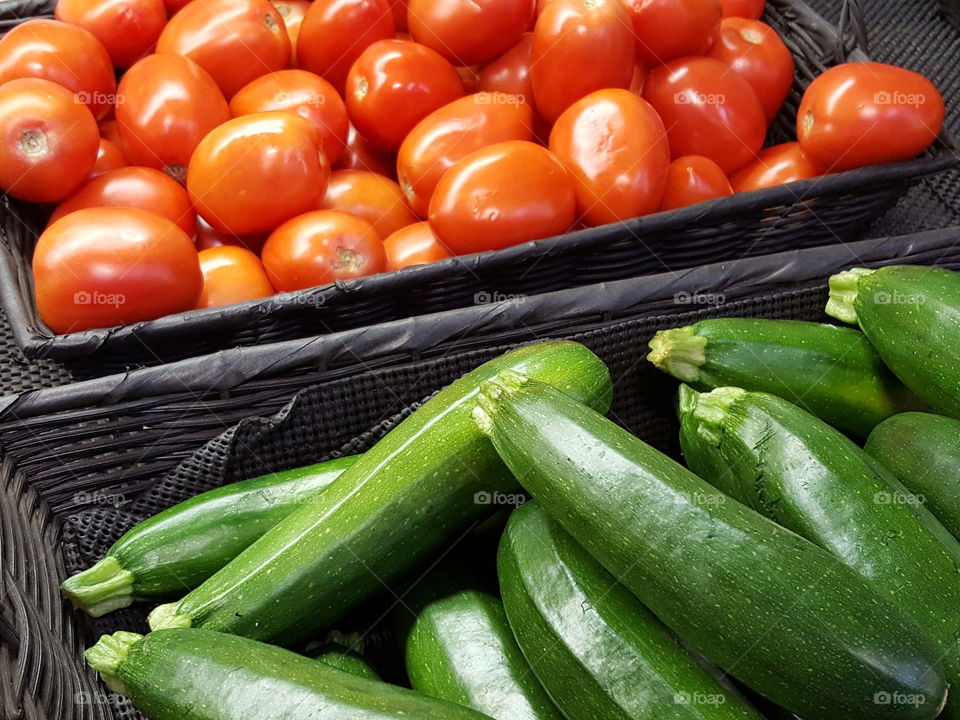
x=421, y=487
x=178, y=673
x=923, y=452
x=599, y=652
x=343, y=652
x=911, y=315
x=769, y=607
x=831, y=371
x=175, y=550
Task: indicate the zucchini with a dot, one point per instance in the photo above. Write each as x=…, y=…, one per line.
x=205, y=675
x=344, y=652
x=769, y=607
x=923, y=452
x=420, y=488
x=833, y=372
x=599, y=652
x=911, y=315
x=180, y=547
x=786, y=464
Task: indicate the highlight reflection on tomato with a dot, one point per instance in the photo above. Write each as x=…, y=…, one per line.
x=413, y=245
x=292, y=12
x=692, y=179
x=231, y=274
x=375, y=198
x=774, y=166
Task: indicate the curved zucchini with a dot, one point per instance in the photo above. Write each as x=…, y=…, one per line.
x=422, y=486
x=831, y=371
x=180, y=547
x=204, y=675
x=754, y=598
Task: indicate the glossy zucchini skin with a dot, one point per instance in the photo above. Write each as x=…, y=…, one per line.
x=344, y=652
x=182, y=673
x=599, y=652
x=421, y=487
x=752, y=597
x=830, y=371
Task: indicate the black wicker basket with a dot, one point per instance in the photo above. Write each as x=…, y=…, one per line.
x=82, y=463
x=821, y=211
x=951, y=11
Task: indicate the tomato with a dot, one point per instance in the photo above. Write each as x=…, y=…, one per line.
x=170, y=104
x=134, y=187
x=755, y=52
x=359, y=154
x=48, y=141
x=320, y=247
x=233, y=40
x=707, y=110
x=399, y=10
x=109, y=157
x=452, y=132
x=468, y=33
x=413, y=245
x=128, y=29
x=375, y=198
x=579, y=47
x=231, y=275
x=669, y=29
x=640, y=73
x=335, y=32
x=304, y=93
x=109, y=130
x=692, y=179
x=65, y=54
x=101, y=267
x=865, y=113
x=208, y=237
x=510, y=73
x=775, y=165
x=502, y=195
x=174, y=6
x=292, y=12
x=393, y=85
x=256, y=171
x=751, y=9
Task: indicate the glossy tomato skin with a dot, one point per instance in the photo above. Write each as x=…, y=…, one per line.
x=751, y=9
x=359, y=154
x=510, y=73
x=692, y=179
x=134, y=187
x=231, y=274
x=65, y=54
x=128, y=29
x=469, y=33
x=413, y=245
x=319, y=247
x=170, y=104
x=48, y=141
x=393, y=85
x=579, y=47
x=754, y=51
x=502, y=195
x=707, y=110
x=256, y=171
x=109, y=157
x=335, y=33
x=615, y=147
x=775, y=165
x=452, y=132
x=304, y=93
x=233, y=40
x=292, y=12
x=375, y=198
x=101, y=267
x=669, y=29
x=864, y=113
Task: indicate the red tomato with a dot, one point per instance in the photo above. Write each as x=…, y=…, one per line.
x=109, y=157
x=174, y=6
x=208, y=237
x=101, y=267
x=640, y=73
x=469, y=77
x=256, y=171
x=128, y=29
x=359, y=154
x=393, y=85
x=231, y=275
x=502, y=195
x=301, y=92
x=375, y=198
x=336, y=32
x=775, y=165
x=669, y=29
x=755, y=52
x=233, y=40
x=707, y=110
x=399, y=10
x=865, y=113
x=692, y=179
x=134, y=187
x=615, y=147
x=413, y=245
x=510, y=73
x=292, y=12
x=320, y=247
x=109, y=130
x=65, y=54
x=468, y=33
x=170, y=104
x=48, y=141
x=452, y=132
x=579, y=47
x=751, y=9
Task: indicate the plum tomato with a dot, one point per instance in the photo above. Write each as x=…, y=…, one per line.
x=751, y=9
x=469, y=33
x=510, y=73
x=292, y=12
x=669, y=29
x=359, y=154
x=413, y=245
x=231, y=274
x=208, y=237
x=128, y=29
x=774, y=166
x=692, y=179
x=375, y=198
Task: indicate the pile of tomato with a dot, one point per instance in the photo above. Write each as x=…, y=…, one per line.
x=252, y=147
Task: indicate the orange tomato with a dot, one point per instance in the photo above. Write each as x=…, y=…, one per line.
x=692, y=179
x=469, y=33
x=774, y=166
x=109, y=157
x=231, y=275
x=413, y=245
x=128, y=29
x=375, y=198
x=510, y=73
x=292, y=12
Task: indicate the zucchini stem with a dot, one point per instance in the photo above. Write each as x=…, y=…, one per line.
x=844, y=288
x=679, y=352
x=508, y=382
x=710, y=409
x=100, y=589
x=163, y=617
x=109, y=654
